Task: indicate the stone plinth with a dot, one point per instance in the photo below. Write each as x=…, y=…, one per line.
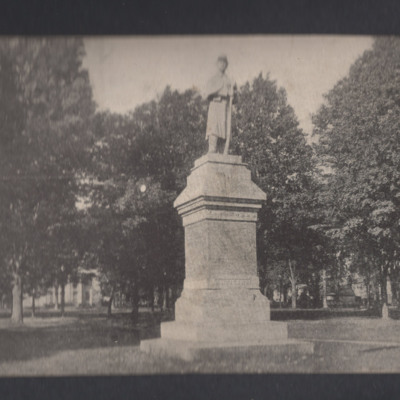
x=221, y=305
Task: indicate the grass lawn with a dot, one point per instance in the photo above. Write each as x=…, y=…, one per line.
x=88, y=343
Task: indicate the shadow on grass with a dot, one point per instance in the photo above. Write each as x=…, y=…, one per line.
x=19, y=343
x=375, y=349
x=316, y=314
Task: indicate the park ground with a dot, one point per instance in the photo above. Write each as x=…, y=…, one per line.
x=87, y=343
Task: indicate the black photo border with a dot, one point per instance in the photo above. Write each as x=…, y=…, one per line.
x=124, y=17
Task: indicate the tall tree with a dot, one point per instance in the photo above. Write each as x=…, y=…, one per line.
x=141, y=161
x=358, y=129
x=44, y=137
x=268, y=136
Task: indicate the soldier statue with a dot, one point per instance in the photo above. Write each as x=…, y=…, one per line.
x=220, y=92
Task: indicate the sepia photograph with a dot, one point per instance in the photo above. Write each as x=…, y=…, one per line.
x=210, y=204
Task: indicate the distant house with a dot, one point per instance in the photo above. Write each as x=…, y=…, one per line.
x=84, y=293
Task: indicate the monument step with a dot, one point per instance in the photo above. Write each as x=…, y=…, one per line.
x=190, y=350
x=226, y=313
x=220, y=332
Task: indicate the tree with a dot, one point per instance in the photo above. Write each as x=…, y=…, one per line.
x=267, y=135
x=44, y=137
x=65, y=248
x=155, y=146
x=358, y=144
x=140, y=164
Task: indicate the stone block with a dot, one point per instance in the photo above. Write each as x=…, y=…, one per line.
x=220, y=332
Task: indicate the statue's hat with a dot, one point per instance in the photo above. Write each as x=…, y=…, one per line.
x=223, y=57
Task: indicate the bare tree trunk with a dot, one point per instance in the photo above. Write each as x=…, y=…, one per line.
x=367, y=282
x=393, y=287
x=135, y=303
x=384, y=285
x=396, y=282
x=324, y=294
x=368, y=295
x=56, y=305
x=384, y=298
x=109, y=305
x=165, y=297
x=293, y=281
x=62, y=299
x=33, y=303
x=17, y=306
x=294, y=295
x=170, y=297
x=152, y=297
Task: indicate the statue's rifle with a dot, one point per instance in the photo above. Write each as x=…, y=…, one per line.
x=228, y=124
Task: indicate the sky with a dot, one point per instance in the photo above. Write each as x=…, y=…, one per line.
x=126, y=71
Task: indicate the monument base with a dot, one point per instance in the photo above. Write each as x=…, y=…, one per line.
x=221, y=307
x=189, y=341
x=191, y=350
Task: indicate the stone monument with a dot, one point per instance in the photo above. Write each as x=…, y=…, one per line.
x=221, y=305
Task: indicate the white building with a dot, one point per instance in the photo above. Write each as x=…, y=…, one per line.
x=85, y=293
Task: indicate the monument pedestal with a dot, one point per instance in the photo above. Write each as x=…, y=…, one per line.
x=221, y=305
